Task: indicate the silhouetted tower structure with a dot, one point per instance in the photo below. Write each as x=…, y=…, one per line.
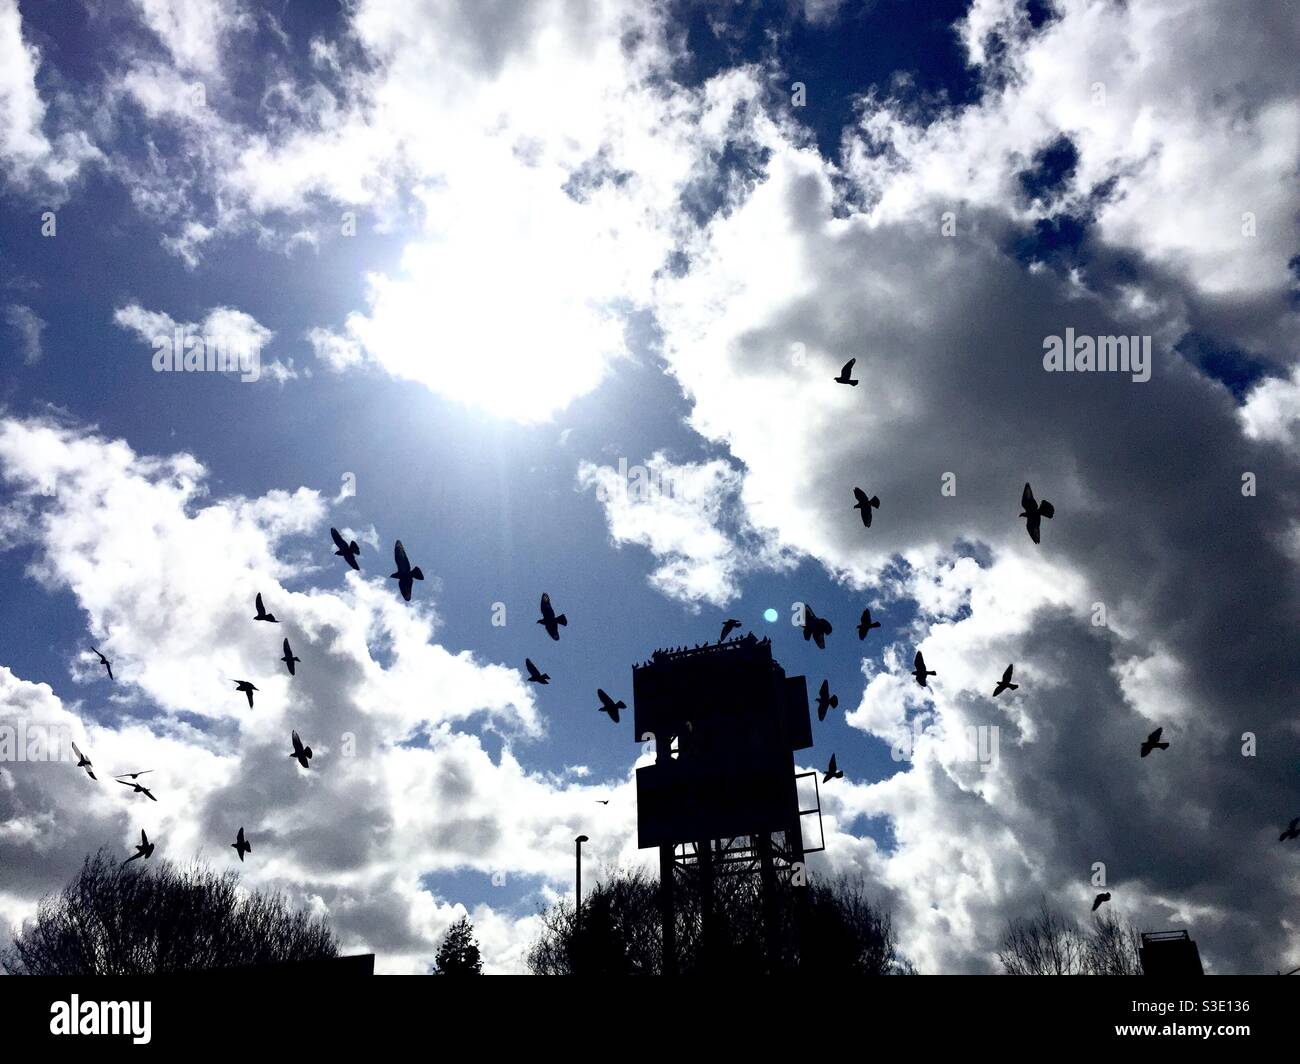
x=1169, y=953
x=722, y=796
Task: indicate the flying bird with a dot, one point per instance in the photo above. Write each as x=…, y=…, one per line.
x=143, y=848
x=347, y=551
x=247, y=688
x=1033, y=512
x=865, y=505
x=728, y=626
x=1005, y=683
x=920, y=671
x=302, y=753
x=534, y=675
x=815, y=628
x=846, y=374
x=1292, y=831
x=288, y=658
x=608, y=705
x=1153, y=743
x=826, y=700
x=241, y=846
x=1100, y=900
x=103, y=661
x=602, y=801
x=262, y=615
x=832, y=773
x=84, y=762
x=132, y=775
x=139, y=788
x=549, y=620
x=866, y=624
x=405, y=574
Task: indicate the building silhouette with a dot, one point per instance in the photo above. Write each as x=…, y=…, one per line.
x=1169, y=953
x=722, y=797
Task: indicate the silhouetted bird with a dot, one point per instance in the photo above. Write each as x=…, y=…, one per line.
x=549, y=620
x=405, y=574
x=728, y=626
x=247, y=688
x=1292, y=831
x=288, y=658
x=240, y=846
x=103, y=661
x=865, y=505
x=866, y=624
x=826, y=700
x=1153, y=743
x=262, y=615
x=920, y=671
x=347, y=551
x=832, y=773
x=1005, y=683
x=815, y=628
x=534, y=676
x=846, y=374
x=84, y=762
x=300, y=752
x=143, y=848
x=132, y=775
x=1033, y=512
x=139, y=788
x=602, y=801
x=1100, y=900
x=608, y=705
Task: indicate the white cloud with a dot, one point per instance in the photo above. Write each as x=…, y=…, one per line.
x=337, y=352
x=947, y=333
x=236, y=333
x=27, y=327
x=1190, y=155
x=689, y=517
x=397, y=790
x=27, y=154
x=1271, y=411
x=539, y=196
x=195, y=32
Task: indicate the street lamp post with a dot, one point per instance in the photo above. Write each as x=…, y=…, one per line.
x=577, y=903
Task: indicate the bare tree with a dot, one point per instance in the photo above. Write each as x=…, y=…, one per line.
x=829, y=927
x=1049, y=943
x=125, y=920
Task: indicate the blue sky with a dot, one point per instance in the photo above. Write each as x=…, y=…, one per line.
x=582, y=236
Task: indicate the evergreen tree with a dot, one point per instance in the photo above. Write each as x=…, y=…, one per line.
x=458, y=954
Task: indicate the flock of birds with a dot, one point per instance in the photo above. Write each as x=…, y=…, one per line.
x=405, y=576
x=301, y=752
x=815, y=629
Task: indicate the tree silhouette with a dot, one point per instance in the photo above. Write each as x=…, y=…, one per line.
x=113, y=919
x=458, y=954
x=620, y=932
x=1049, y=943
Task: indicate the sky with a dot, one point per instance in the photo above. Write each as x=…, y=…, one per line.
x=555, y=293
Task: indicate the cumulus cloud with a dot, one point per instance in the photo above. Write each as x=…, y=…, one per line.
x=1153, y=534
x=690, y=518
x=539, y=195
x=1271, y=411
x=1195, y=173
x=235, y=333
x=400, y=787
x=543, y=191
